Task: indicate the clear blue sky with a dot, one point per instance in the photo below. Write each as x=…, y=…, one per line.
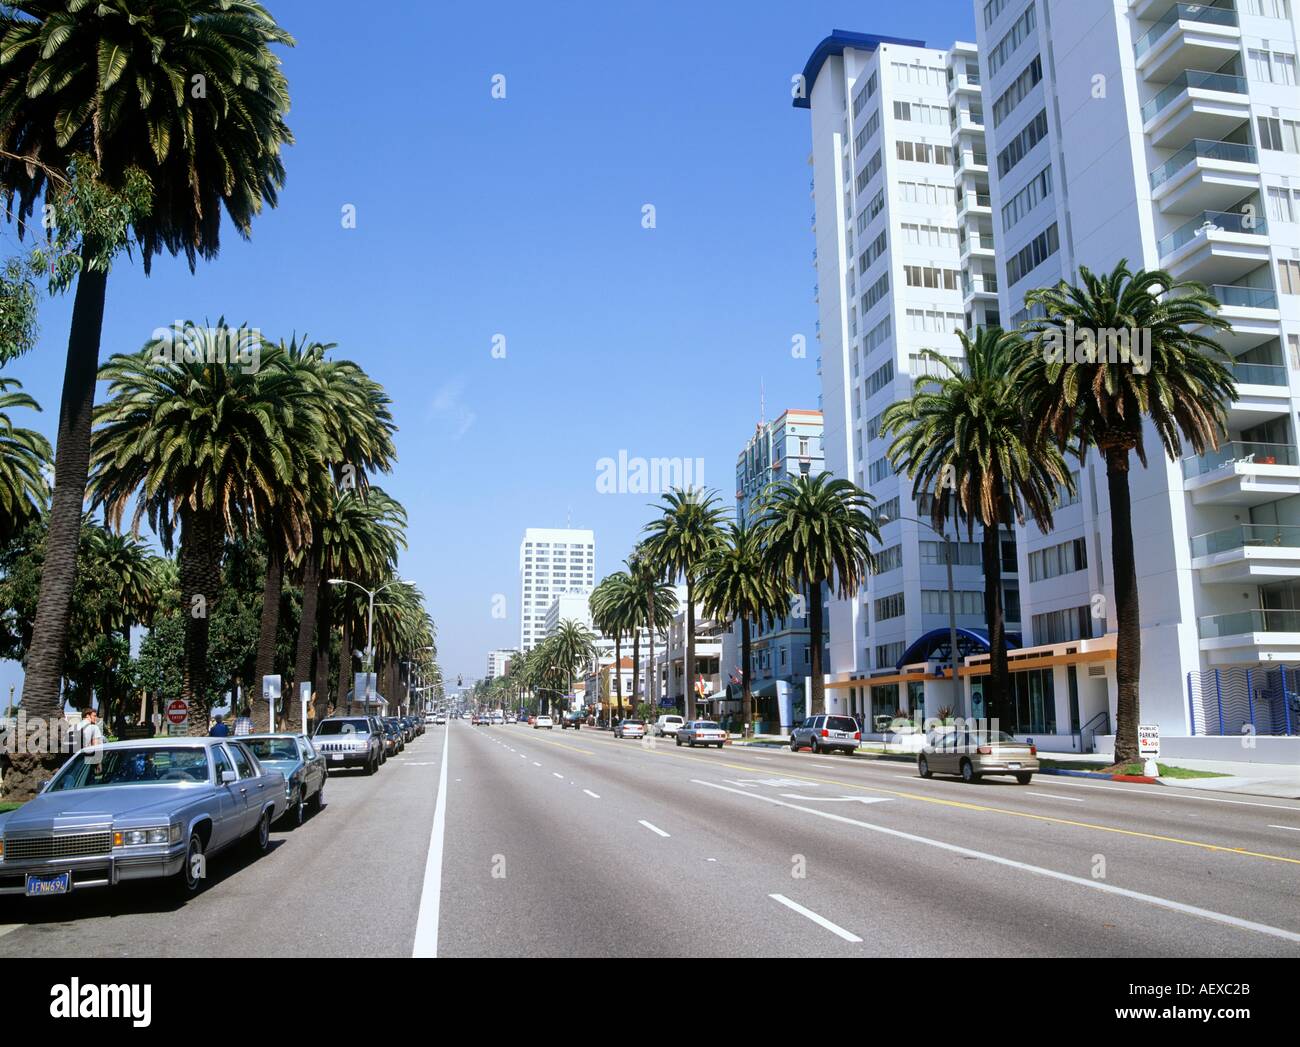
x=522, y=217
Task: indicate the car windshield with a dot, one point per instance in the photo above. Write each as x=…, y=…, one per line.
x=707, y=725
x=273, y=748
x=143, y=766
x=343, y=727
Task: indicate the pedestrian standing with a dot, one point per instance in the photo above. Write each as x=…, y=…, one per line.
x=244, y=724
x=91, y=734
x=219, y=729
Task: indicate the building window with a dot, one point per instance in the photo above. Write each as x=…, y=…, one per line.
x=891, y=606
x=1073, y=623
x=1035, y=131
x=1033, y=254
x=1057, y=560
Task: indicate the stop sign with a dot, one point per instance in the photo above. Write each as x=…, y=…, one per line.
x=178, y=711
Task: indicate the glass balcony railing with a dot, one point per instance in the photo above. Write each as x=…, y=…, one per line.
x=1194, y=78
x=1202, y=148
x=1239, y=451
x=1245, y=297
x=1259, y=374
x=1208, y=13
x=1253, y=536
x=1212, y=221
x=1256, y=621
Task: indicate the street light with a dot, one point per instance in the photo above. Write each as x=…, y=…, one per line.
x=958, y=704
x=370, y=622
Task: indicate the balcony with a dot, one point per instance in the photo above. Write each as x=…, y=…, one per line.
x=1242, y=473
x=983, y=288
x=967, y=82
x=976, y=245
x=1251, y=636
x=1188, y=36
x=974, y=204
x=1253, y=313
x=1205, y=175
x=1196, y=104
x=1216, y=247
x=1249, y=553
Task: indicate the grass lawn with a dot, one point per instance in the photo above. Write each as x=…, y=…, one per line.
x=6, y=807
x=1166, y=771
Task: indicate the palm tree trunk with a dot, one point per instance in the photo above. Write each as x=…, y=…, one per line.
x=345, y=664
x=1128, y=645
x=636, y=668
x=997, y=684
x=690, y=648
x=618, y=666
x=747, y=704
x=817, y=699
x=43, y=674
x=650, y=688
x=270, y=628
x=202, y=543
x=302, y=661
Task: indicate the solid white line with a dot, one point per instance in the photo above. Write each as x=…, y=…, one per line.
x=821, y=921
x=591, y=794
x=1050, y=796
x=1293, y=828
x=653, y=828
x=1150, y=899
x=426, y=926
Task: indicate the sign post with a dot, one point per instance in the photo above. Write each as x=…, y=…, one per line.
x=1149, y=748
x=304, y=695
x=271, y=695
x=178, y=713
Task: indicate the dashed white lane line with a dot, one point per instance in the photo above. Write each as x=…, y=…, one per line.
x=1053, y=796
x=557, y=774
x=821, y=921
x=1293, y=828
x=536, y=764
x=653, y=828
x=591, y=794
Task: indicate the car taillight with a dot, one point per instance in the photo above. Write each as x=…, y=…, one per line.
x=825, y=733
x=985, y=750
x=857, y=736
x=1033, y=750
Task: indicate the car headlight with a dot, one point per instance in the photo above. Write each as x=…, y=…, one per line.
x=146, y=837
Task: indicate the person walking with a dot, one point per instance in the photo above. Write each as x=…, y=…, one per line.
x=219, y=729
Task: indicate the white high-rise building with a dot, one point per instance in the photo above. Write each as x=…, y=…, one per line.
x=552, y=562
x=903, y=256
x=497, y=663
x=1169, y=135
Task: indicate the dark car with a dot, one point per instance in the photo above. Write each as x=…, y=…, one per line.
x=350, y=741
x=393, y=732
x=574, y=720
x=826, y=733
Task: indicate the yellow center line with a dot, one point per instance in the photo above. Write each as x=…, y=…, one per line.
x=983, y=807
x=562, y=745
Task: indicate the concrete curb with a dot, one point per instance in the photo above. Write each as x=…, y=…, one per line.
x=1138, y=779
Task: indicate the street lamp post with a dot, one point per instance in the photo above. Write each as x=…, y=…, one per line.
x=370, y=621
x=959, y=704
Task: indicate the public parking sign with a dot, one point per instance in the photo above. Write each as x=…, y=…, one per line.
x=178, y=711
x=1148, y=740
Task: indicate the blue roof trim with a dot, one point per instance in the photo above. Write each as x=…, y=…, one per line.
x=976, y=640
x=835, y=45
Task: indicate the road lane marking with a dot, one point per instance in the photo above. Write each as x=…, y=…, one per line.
x=1011, y=863
x=591, y=794
x=821, y=921
x=1053, y=796
x=426, y=926
x=536, y=764
x=653, y=828
x=557, y=774
x=1293, y=828
x=838, y=799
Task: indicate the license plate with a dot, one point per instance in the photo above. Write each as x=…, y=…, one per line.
x=39, y=886
x=1014, y=766
x=336, y=756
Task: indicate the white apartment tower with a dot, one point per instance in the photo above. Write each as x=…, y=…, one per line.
x=552, y=562
x=1167, y=134
x=904, y=258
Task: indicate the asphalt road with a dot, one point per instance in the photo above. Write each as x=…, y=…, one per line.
x=505, y=841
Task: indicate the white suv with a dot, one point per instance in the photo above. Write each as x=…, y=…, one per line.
x=667, y=725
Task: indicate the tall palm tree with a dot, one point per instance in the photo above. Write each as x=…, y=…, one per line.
x=963, y=439
x=736, y=584
x=24, y=455
x=615, y=608
x=1103, y=399
x=133, y=575
x=187, y=95
x=689, y=528
x=656, y=605
x=199, y=447
x=573, y=647
x=817, y=531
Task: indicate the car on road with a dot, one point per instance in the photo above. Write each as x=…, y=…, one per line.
x=543, y=721
x=350, y=741
x=439, y=720
x=629, y=729
x=701, y=732
x=304, y=770
x=139, y=810
x=826, y=733
x=430, y=718
x=574, y=720
x=974, y=754
x=498, y=720
x=668, y=725
x=393, y=735
x=512, y=719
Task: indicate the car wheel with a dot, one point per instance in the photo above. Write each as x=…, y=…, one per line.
x=679, y=741
x=299, y=809
x=968, y=772
x=372, y=767
x=318, y=801
x=1024, y=779
x=923, y=767
x=719, y=745
x=190, y=881
x=794, y=744
x=815, y=746
x=260, y=840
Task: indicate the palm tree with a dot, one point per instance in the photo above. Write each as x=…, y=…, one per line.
x=574, y=646
x=679, y=540
x=1082, y=398
x=736, y=585
x=133, y=575
x=24, y=454
x=615, y=608
x=200, y=447
x=817, y=531
x=963, y=439
x=186, y=95
x=656, y=603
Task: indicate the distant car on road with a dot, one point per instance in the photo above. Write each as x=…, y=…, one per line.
x=350, y=741
x=629, y=729
x=543, y=721
x=668, y=724
x=571, y=719
x=701, y=732
x=430, y=718
x=973, y=754
x=304, y=770
x=139, y=810
x=439, y=720
x=826, y=733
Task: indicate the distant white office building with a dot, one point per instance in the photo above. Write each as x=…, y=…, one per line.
x=552, y=563
x=497, y=663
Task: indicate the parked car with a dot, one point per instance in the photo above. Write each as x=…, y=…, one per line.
x=973, y=754
x=701, y=732
x=139, y=810
x=629, y=729
x=393, y=735
x=572, y=719
x=669, y=724
x=350, y=741
x=440, y=719
x=826, y=733
x=543, y=721
x=304, y=770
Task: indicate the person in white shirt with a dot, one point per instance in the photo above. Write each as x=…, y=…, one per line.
x=91, y=734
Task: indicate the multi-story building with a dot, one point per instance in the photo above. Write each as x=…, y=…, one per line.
x=904, y=260
x=1169, y=135
x=498, y=661
x=552, y=562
